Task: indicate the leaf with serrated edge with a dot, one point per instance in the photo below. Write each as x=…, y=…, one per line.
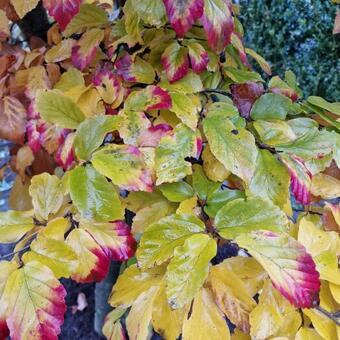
x=161, y=238
x=291, y=269
x=35, y=302
x=188, y=269
x=242, y=216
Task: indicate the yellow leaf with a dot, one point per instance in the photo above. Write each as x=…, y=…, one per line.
x=214, y=170
x=134, y=282
x=60, y=52
x=238, y=335
x=90, y=103
x=14, y=225
x=35, y=304
x=305, y=333
x=249, y=271
x=325, y=186
x=335, y=290
x=323, y=246
x=231, y=296
x=55, y=254
x=206, y=320
x=187, y=206
x=4, y=26
x=139, y=318
x=322, y=324
x=273, y=316
x=47, y=195
x=56, y=229
x=166, y=321
x=22, y=7
x=112, y=328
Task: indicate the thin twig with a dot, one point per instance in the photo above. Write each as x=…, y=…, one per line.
x=224, y=93
x=14, y=252
x=333, y=316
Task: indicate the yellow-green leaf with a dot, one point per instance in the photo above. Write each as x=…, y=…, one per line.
x=47, y=195
x=22, y=7
x=14, y=225
x=188, y=269
x=56, y=108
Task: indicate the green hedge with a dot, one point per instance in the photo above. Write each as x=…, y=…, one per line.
x=296, y=35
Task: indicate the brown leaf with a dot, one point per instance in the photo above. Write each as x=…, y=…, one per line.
x=19, y=198
x=24, y=158
x=12, y=120
x=53, y=35
x=245, y=95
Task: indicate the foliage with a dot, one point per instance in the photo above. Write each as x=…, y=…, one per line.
x=297, y=35
x=156, y=112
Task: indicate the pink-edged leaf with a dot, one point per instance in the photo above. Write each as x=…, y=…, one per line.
x=35, y=303
x=115, y=238
x=4, y=331
x=199, y=146
x=35, y=131
x=198, y=56
x=152, y=136
x=94, y=262
x=135, y=70
x=126, y=166
x=109, y=85
x=218, y=23
x=62, y=10
x=237, y=42
x=85, y=49
x=175, y=62
x=161, y=99
x=65, y=153
x=291, y=269
x=300, y=178
x=245, y=95
x=182, y=14
x=277, y=85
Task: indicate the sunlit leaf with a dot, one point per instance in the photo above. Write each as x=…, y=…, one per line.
x=23, y=7
x=325, y=186
x=152, y=12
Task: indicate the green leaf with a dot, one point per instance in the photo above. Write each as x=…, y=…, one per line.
x=188, y=269
x=55, y=254
x=324, y=104
x=271, y=106
x=241, y=76
x=70, y=79
x=313, y=144
x=202, y=185
x=289, y=266
x=234, y=147
x=152, y=12
x=89, y=15
x=186, y=108
x=47, y=195
x=189, y=84
x=124, y=165
x=217, y=199
x=242, y=216
x=161, y=238
x=170, y=163
x=14, y=225
x=94, y=196
x=177, y=192
x=271, y=179
x=58, y=109
x=91, y=132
